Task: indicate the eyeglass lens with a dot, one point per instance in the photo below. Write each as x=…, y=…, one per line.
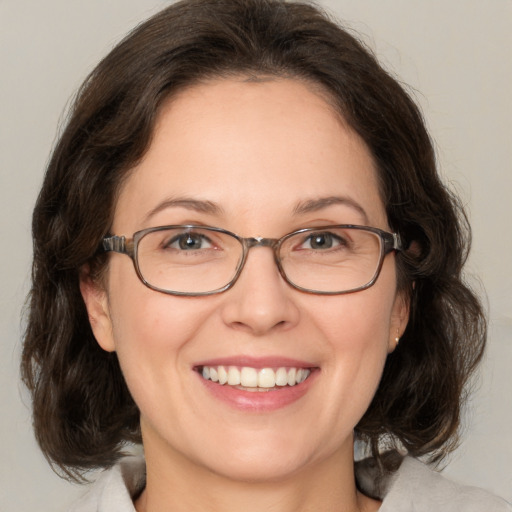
x=202, y=260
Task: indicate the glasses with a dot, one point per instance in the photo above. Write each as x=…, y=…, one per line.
x=198, y=260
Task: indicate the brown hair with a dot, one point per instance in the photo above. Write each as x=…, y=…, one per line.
x=83, y=411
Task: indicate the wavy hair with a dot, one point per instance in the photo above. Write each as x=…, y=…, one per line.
x=82, y=410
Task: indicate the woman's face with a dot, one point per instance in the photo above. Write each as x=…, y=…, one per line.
x=258, y=159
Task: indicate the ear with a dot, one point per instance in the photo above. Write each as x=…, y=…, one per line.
x=399, y=319
x=96, y=302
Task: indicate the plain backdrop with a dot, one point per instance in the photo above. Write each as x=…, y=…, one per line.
x=456, y=56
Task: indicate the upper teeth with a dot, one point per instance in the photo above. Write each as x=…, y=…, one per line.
x=252, y=378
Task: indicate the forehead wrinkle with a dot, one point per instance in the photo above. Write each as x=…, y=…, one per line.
x=314, y=205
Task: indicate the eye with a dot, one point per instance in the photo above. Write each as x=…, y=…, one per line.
x=322, y=241
x=189, y=242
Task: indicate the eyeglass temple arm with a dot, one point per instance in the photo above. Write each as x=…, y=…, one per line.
x=393, y=243
x=118, y=244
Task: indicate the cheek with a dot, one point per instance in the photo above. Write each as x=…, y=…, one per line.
x=144, y=320
x=153, y=325
x=151, y=332
x=357, y=322
x=355, y=331
x=357, y=334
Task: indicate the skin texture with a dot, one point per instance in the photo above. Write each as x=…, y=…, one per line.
x=255, y=150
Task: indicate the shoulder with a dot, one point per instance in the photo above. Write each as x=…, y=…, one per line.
x=115, y=488
x=416, y=487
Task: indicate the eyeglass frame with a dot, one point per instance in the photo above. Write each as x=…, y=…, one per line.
x=121, y=244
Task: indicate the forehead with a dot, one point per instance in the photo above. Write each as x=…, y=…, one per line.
x=248, y=147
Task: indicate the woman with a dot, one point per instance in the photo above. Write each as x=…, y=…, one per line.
x=245, y=259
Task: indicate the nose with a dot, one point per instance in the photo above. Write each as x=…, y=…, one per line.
x=260, y=301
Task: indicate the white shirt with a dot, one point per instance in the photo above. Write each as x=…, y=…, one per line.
x=412, y=488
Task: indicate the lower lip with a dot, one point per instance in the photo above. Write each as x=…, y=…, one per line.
x=259, y=401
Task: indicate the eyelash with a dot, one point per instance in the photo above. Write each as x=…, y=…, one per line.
x=335, y=239
x=189, y=236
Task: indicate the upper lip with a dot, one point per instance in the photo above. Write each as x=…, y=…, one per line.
x=257, y=362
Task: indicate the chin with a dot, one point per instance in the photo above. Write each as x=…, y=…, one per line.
x=258, y=468
x=266, y=456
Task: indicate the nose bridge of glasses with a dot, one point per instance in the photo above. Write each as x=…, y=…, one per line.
x=258, y=241
x=249, y=243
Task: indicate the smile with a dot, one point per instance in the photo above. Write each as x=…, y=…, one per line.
x=253, y=379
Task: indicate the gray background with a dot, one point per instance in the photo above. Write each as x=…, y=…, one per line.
x=457, y=57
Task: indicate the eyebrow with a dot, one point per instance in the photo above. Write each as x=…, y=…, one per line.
x=314, y=205
x=196, y=205
x=209, y=207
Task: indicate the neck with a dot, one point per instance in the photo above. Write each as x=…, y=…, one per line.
x=176, y=483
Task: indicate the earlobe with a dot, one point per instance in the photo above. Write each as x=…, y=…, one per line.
x=96, y=302
x=399, y=319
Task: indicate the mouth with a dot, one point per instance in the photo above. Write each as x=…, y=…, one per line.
x=247, y=378
x=257, y=384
